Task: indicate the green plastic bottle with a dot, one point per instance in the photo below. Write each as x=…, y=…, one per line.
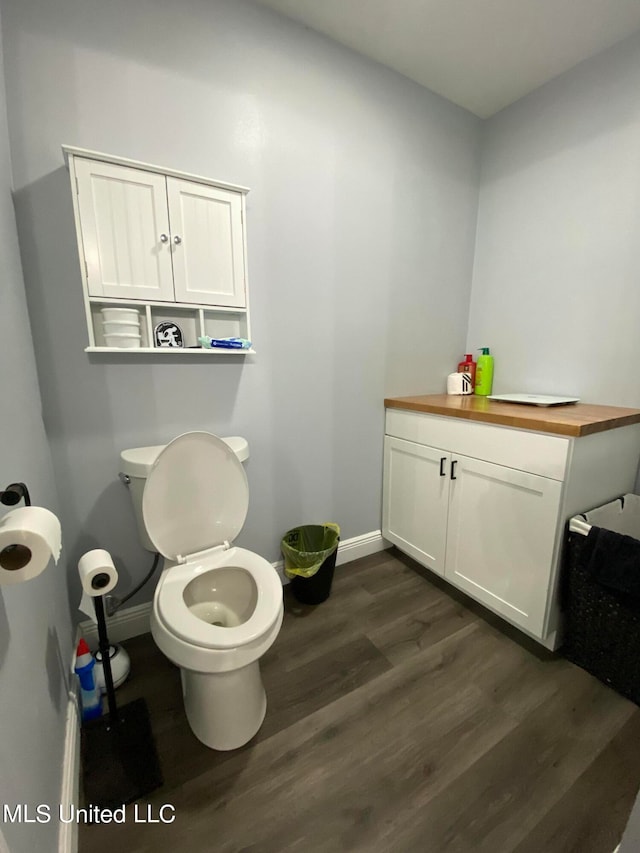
x=484, y=373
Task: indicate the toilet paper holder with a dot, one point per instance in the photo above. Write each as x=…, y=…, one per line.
x=14, y=493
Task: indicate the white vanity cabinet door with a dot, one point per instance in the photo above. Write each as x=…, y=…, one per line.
x=501, y=538
x=415, y=500
x=124, y=225
x=207, y=244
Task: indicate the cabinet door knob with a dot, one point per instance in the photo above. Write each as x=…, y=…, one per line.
x=164, y=238
x=443, y=473
x=177, y=240
x=454, y=462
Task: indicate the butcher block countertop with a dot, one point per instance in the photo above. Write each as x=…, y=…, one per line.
x=575, y=419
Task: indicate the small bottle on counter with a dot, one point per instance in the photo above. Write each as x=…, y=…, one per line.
x=484, y=373
x=468, y=366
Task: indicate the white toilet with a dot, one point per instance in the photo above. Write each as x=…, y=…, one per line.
x=217, y=608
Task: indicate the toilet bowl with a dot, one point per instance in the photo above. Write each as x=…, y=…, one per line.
x=217, y=607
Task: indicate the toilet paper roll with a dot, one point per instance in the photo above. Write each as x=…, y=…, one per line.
x=459, y=383
x=29, y=537
x=98, y=575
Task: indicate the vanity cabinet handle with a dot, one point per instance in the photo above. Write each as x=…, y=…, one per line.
x=454, y=462
x=164, y=238
x=177, y=240
x=443, y=473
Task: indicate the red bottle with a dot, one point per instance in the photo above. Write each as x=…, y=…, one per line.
x=468, y=366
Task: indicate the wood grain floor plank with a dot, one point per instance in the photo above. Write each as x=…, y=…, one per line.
x=413, y=633
x=290, y=697
x=333, y=754
x=381, y=592
x=524, y=774
x=590, y=817
x=398, y=720
x=300, y=692
x=387, y=574
x=398, y=602
x=309, y=631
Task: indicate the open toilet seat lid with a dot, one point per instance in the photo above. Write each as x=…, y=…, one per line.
x=196, y=496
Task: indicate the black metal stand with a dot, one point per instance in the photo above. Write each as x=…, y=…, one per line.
x=119, y=758
x=103, y=645
x=14, y=493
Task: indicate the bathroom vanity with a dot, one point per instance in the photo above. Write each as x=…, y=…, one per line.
x=480, y=492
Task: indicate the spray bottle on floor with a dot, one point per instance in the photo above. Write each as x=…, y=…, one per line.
x=89, y=691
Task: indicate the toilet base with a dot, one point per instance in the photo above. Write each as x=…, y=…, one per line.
x=224, y=709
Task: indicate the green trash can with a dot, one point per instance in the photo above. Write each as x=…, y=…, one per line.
x=310, y=555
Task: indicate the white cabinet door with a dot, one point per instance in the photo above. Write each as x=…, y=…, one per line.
x=415, y=500
x=207, y=244
x=501, y=538
x=125, y=231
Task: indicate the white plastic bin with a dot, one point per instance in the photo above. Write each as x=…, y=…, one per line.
x=120, y=315
x=122, y=327
x=123, y=341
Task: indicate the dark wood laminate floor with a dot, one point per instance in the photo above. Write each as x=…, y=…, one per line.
x=401, y=720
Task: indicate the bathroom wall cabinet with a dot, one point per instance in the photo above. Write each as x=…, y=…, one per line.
x=485, y=506
x=171, y=245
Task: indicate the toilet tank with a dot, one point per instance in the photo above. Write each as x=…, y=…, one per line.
x=135, y=465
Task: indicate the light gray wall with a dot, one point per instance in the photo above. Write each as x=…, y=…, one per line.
x=35, y=625
x=361, y=222
x=556, y=285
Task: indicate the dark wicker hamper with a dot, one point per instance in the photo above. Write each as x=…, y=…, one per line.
x=602, y=626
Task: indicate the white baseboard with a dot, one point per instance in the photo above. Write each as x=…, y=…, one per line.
x=135, y=621
x=127, y=623
x=70, y=786
x=361, y=546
